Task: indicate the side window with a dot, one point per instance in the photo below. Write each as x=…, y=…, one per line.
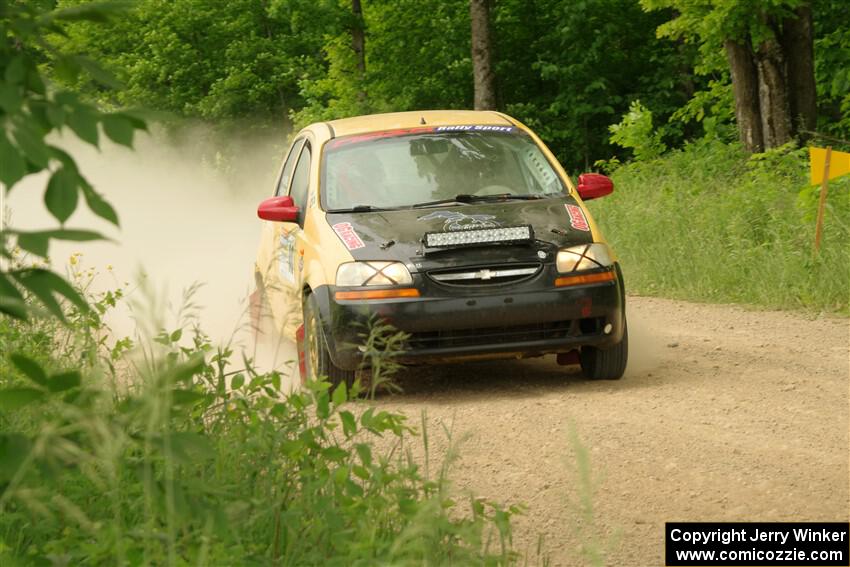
x=301, y=179
x=283, y=182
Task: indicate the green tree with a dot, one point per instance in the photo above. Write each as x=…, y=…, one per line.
x=570, y=69
x=635, y=131
x=832, y=67
x=412, y=62
x=769, y=52
x=216, y=60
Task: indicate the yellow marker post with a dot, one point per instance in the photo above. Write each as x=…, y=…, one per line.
x=822, y=200
x=825, y=165
x=839, y=164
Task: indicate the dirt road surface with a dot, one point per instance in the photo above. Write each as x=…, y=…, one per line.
x=724, y=414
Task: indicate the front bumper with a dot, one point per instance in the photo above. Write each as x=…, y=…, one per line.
x=451, y=324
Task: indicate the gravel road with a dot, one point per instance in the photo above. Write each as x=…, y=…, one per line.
x=724, y=414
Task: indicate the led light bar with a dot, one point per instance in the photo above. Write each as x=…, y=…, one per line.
x=477, y=236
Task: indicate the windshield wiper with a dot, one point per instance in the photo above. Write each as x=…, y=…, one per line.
x=462, y=198
x=361, y=209
x=467, y=198
x=514, y=196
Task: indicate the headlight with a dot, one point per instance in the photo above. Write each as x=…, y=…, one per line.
x=372, y=273
x=584, y=257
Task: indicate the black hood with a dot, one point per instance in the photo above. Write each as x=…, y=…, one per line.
x=398, y=235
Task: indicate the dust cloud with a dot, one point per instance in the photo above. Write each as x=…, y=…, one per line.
x=645, y=348
x=187, y=209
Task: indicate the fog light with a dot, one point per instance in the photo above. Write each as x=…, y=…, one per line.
x=608, y=328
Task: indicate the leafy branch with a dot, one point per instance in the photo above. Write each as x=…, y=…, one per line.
x=31, y=110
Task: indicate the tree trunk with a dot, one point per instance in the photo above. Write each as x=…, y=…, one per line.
x=358, y=43
x=773, y=95
x=798, y=47
x=746, y=88
x=482, y=60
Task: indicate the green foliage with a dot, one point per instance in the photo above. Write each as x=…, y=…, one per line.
x=707, y=223
x=31, y=109
x=592, y=548
x=705, y=25
x=335, y=91
x=832, y=67
x=713, y=108
x=382, y=345
x=636, y=133
x=412, y=63
x=188, y=459
x=570, y=69
x=211, y=60
x=248, y=60
x=710, y=22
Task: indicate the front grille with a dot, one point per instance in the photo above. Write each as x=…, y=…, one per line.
x=485, y=275
x=504, y=335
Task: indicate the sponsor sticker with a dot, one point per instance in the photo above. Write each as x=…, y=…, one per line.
x=475, y=128
x=348, y=235
x=577, y=220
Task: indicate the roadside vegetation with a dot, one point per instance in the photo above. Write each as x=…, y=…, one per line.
x=709, y=223
x=167, y=450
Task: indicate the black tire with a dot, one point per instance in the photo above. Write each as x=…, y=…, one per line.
x=606, y=364
x=317, y=359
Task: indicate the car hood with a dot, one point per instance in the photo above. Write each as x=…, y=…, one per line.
x=398, y=235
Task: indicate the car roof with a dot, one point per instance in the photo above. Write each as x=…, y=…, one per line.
x=395, y=120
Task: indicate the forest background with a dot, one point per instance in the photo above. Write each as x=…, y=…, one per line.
x=604, y=82
x=569, y=69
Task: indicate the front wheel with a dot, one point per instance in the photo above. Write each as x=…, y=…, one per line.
x=317, y=359
x=606, y=364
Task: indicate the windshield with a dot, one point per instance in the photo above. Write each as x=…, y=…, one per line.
x=403, y=169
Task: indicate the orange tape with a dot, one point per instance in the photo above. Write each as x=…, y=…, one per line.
x=377, y=294
x=585, y=279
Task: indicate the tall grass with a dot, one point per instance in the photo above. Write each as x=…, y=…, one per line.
x=165, y=451
x=708, y=223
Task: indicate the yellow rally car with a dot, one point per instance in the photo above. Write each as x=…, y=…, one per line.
x=459, y=228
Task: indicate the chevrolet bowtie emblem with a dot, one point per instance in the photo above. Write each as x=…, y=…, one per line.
x=484, y=274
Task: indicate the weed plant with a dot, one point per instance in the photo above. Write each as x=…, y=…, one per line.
x=158, y=452
x=708, y=223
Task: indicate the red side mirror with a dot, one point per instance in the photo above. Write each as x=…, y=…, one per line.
x=593, y=185
x=279, y=209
